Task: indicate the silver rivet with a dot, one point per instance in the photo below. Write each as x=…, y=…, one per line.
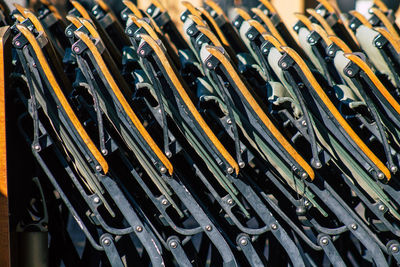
x=304, y=123
x=17, y=43
x=324, y=241
x=168, y=154
x=318, y=164
x=265, y=50
x=137, y=36
x=129, y=31
x=98, y=168
x=394, y=249
x=164, y=202
x=243, y=241
x=307, y=203
x=183, y=18
x=354, y=226
x=200, y=42
x=304, y=175
x=190, y=32
x=69, y=32
x=236, y=23
x=230, y=201
x=149, y=10
x=330, y=52
x=124, y=16
x=241, y=164
x=381, y=207
x=96, y=200
x=311, y=40
x=296, y=28
x=106, y=241
x=352, y=25
x=349, y=72
x=378, y=44
x=381, y=175
x=142, y=52
x=77, y=49
x=393, y=169
x=209, y=64
x=274, y=226
x=173, y=244
x=284, y=64
x=95, y=12
x=250, y=36
x=163, y=169
x=139, y=228
x=37, y=147
x=229, y=170
x=104, y=151
x=229, y=121
x=209, y=228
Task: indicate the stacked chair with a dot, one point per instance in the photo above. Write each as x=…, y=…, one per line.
x=224, y=142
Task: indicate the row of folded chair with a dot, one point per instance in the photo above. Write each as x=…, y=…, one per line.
x=226, y=142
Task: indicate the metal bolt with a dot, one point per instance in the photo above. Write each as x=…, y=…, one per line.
x=311, y=40
x=168, y=154
x=241, y=164
x=250, y=36
x=209, y=64
x=274, y=226
x=104, y=151
x=95, y=12
x=164, y=202
x=381, y=207
x=98, y=168
x=236, y=23
x=265, y=50
x=230, y=201
x=200, y=42
x=149, y=10
x=17, y=43
x=124, y=16
x=307, y=203
x=209, y=228
x=129, y=31
x=304, y=123
x=173, y=244
x=96, y=200
x=296, y=28
x=354, y=226
x=381, y=175
x=142, y=52
x=324, y=241
x=106, y=241
x=69, y=33
x=34, y=64
x=137, y=36
x=229, y=121
x=229, y=170
x=77, y=49
x=394, y=249
x=352, y=25
x=378, y=44
x=243, y=241
x=284, y=65
x=349, y=72
x=37, y=147
x=139, y=228
x=393, y=169
x=330, y=52
x=304, y=175
x=163, y=169
x=190, y=32
x=183, y=18
x=318, y=164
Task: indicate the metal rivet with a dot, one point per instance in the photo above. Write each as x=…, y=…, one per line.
x=274, y=226
x=98, y=168
x=209, y=64
x=168, y=154
x=324, y=241
x=354, y=226
x=311, y=40
x=381, y=175
x=318, y=164
x=304, y=123
x=104, y=151
x=304, y=175
x=349, y=72
x=149, y=10
x=129, y=31
x=394, y=249
x=77, y=49
x=229, y=170
x=296, y=28
x=37, y=147
x=250, y=36
x=96, y=200
x=209, y=228
x=200, y=42
x=106, y=241
x=381, y=207
x=95, y=12
x=378, y=44
x=69, y=33
x=284, y=65
x=142, y=52
x=183, y=18
x=164, y=202
x=17, y=43
x=236, y=23
x=139, y=228
x=137, y=36
x=307, y=203
x=230, y=201
x=265, y=50
x=173, y=244
x=241, y=164
x=243, y=241
x=229, y=121
x=163, y=169
x=352, y=25
x=190, y=32
x=124, y=16
x=330, y=52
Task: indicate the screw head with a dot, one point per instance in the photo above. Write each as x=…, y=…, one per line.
x=229, y=121
x=274, y=226
x=311, y=40
x=378, y=44
x=69, y=33
x=236, y=23
x=393, y=169
x=354, y=226
x=164, y=202
x=104, y=151
x=381, y=175
x=17, y=43
x=183, y=18
x=209, y=228
x=209, y=64
x=304, y=123
x=168, y=154
x=243, y=241
x=324, y=241
x=352, y=25
x=242, y=164
x=129, y=31
x=230, y=201
x=307, y=203
x=190, y=31
x=200, y=42
x=296, y=28
x=124, y=16
x=229, y=170
x=37, y=147
x=318, y=164
x=142, y=52
x=330, y=52
x=284, y=65
x=96, y=200
x=394, y=248
x=349, y=72
x=107, y=241
x=250, y=36
x=173, y=244
x=77, y=49
x=265, y=50
x=304, y=175
x=98, y=168
x=139, y=228
x=381, y=207
x=163, y=169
